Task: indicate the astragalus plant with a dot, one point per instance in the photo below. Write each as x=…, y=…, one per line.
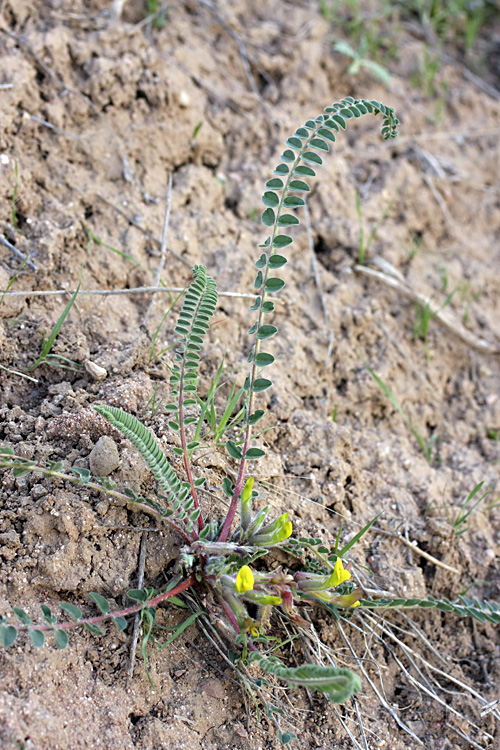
x=223, y=561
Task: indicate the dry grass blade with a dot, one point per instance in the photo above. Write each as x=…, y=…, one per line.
x=113, y=292
x=395, y=280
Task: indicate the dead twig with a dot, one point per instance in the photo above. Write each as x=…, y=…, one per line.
x=163, y=248
x=22, y=256
x=415, y=548
x=137, y=618
x=112, y=292
x=392, y=278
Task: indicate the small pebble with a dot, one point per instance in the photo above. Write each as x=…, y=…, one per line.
x=104, y=457
x=95, y=371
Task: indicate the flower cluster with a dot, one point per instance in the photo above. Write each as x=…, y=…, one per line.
x=278, y=589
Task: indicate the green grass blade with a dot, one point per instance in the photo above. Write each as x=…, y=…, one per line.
x=48, y=343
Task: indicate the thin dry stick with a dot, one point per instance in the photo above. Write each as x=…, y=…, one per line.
x=55, y=129
x=411, y=653
x=414, y=548
x=314, y=264
x=137, y=618
x=111, y=292
x=163, y=247
x=13, y=249
x=21, y=374
x=379, y=695
x=145, y=232
x=396, y=281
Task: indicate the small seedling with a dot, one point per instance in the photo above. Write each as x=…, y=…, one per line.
x=365, y=246
x=360, y=60
x=93, y=238
x=467, y=508
x=52, y=359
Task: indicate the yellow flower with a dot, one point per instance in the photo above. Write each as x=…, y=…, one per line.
x=285, y=531
x=339, y=575
x=244, y=580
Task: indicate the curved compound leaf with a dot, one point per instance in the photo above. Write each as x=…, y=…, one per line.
x=145, y=443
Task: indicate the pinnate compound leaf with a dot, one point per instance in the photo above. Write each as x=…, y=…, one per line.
x=8, y=634
x=145, y=443
x=338, y=683
x=37, y=637
x=61, y=638
x=101, y=602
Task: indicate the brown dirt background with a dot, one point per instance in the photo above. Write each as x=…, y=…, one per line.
x=125, y=102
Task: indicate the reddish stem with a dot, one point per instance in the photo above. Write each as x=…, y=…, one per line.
x=121, y=613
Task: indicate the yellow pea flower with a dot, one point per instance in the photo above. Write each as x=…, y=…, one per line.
x=244, y=580
x=339, y=575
